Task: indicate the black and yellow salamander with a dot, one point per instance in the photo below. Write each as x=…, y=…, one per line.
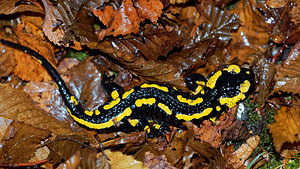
x=153, y=107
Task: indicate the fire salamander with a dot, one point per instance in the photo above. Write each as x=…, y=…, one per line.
x=152, y=107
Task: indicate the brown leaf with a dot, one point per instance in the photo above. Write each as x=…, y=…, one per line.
x=213, y=133
x=252, y=34
x=26, y=67
x=156, y=162
x=238, y=158
x=265, y=71
x=17, y=6
x=288, y=73
x=21, y=141
x=7, y=62
x=15, y=105
x=127, y=18
x=64, y=147
x=67, y=21
x=286, y=130
x=118, y=160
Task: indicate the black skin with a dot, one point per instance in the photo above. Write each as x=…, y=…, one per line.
x=227, y=85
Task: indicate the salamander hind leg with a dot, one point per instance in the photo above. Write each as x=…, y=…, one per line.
x=195, y=82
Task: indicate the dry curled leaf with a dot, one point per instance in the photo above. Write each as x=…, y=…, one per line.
x=286, y=130
x=238, y=158
x=156, y=162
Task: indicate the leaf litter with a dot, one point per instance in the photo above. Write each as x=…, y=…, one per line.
x=154, y=41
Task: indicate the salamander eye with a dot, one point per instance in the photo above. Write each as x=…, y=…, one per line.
x=192, y=81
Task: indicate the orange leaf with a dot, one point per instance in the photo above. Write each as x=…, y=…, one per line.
x=286, y=130
x=127, y=18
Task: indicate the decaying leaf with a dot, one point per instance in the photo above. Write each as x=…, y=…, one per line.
x=288, y=154
x=21, y=141
x=288, y=73
x=286, y=130
x=238, y=158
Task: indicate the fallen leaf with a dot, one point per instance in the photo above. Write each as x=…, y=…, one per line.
x=119, y=160
x=21, y=141
x=238, y=158
x=288, y=73
x=15, y=105
x=286, y=130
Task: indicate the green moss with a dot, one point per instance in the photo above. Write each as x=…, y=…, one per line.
x=76, y=54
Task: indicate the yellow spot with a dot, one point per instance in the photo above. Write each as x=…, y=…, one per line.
x=231, y=102
x=89, y=113
x=111, y=104
x=218, y=108
x=165, y=108
x=245, y=86
x=175, y=88
x=202, y=83
x=198, y=89
x=73, y=100
x=248, y=72
x=126, y=94
x=97, y=112
x=150, y=121
x=147, y=129
x=213, y=79
x=145, y=85
x=202, y=91
x=234, y=68
x=189, y=101
x=140, y=102
x=133, y=122
x=114, y=94
x=126, y=112
x=157, y=126
x=194, y=116
x=213, y=120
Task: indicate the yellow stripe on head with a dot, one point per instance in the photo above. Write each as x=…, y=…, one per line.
x=163, y=88
x=234, y=68
x=213, y=79
x=194, y=116
x=114, y=94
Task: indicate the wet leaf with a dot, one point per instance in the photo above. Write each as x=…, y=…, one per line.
x=285, y=131
x=288, y=73
x=127, y=18
x=21, y=141
x=16, y=6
